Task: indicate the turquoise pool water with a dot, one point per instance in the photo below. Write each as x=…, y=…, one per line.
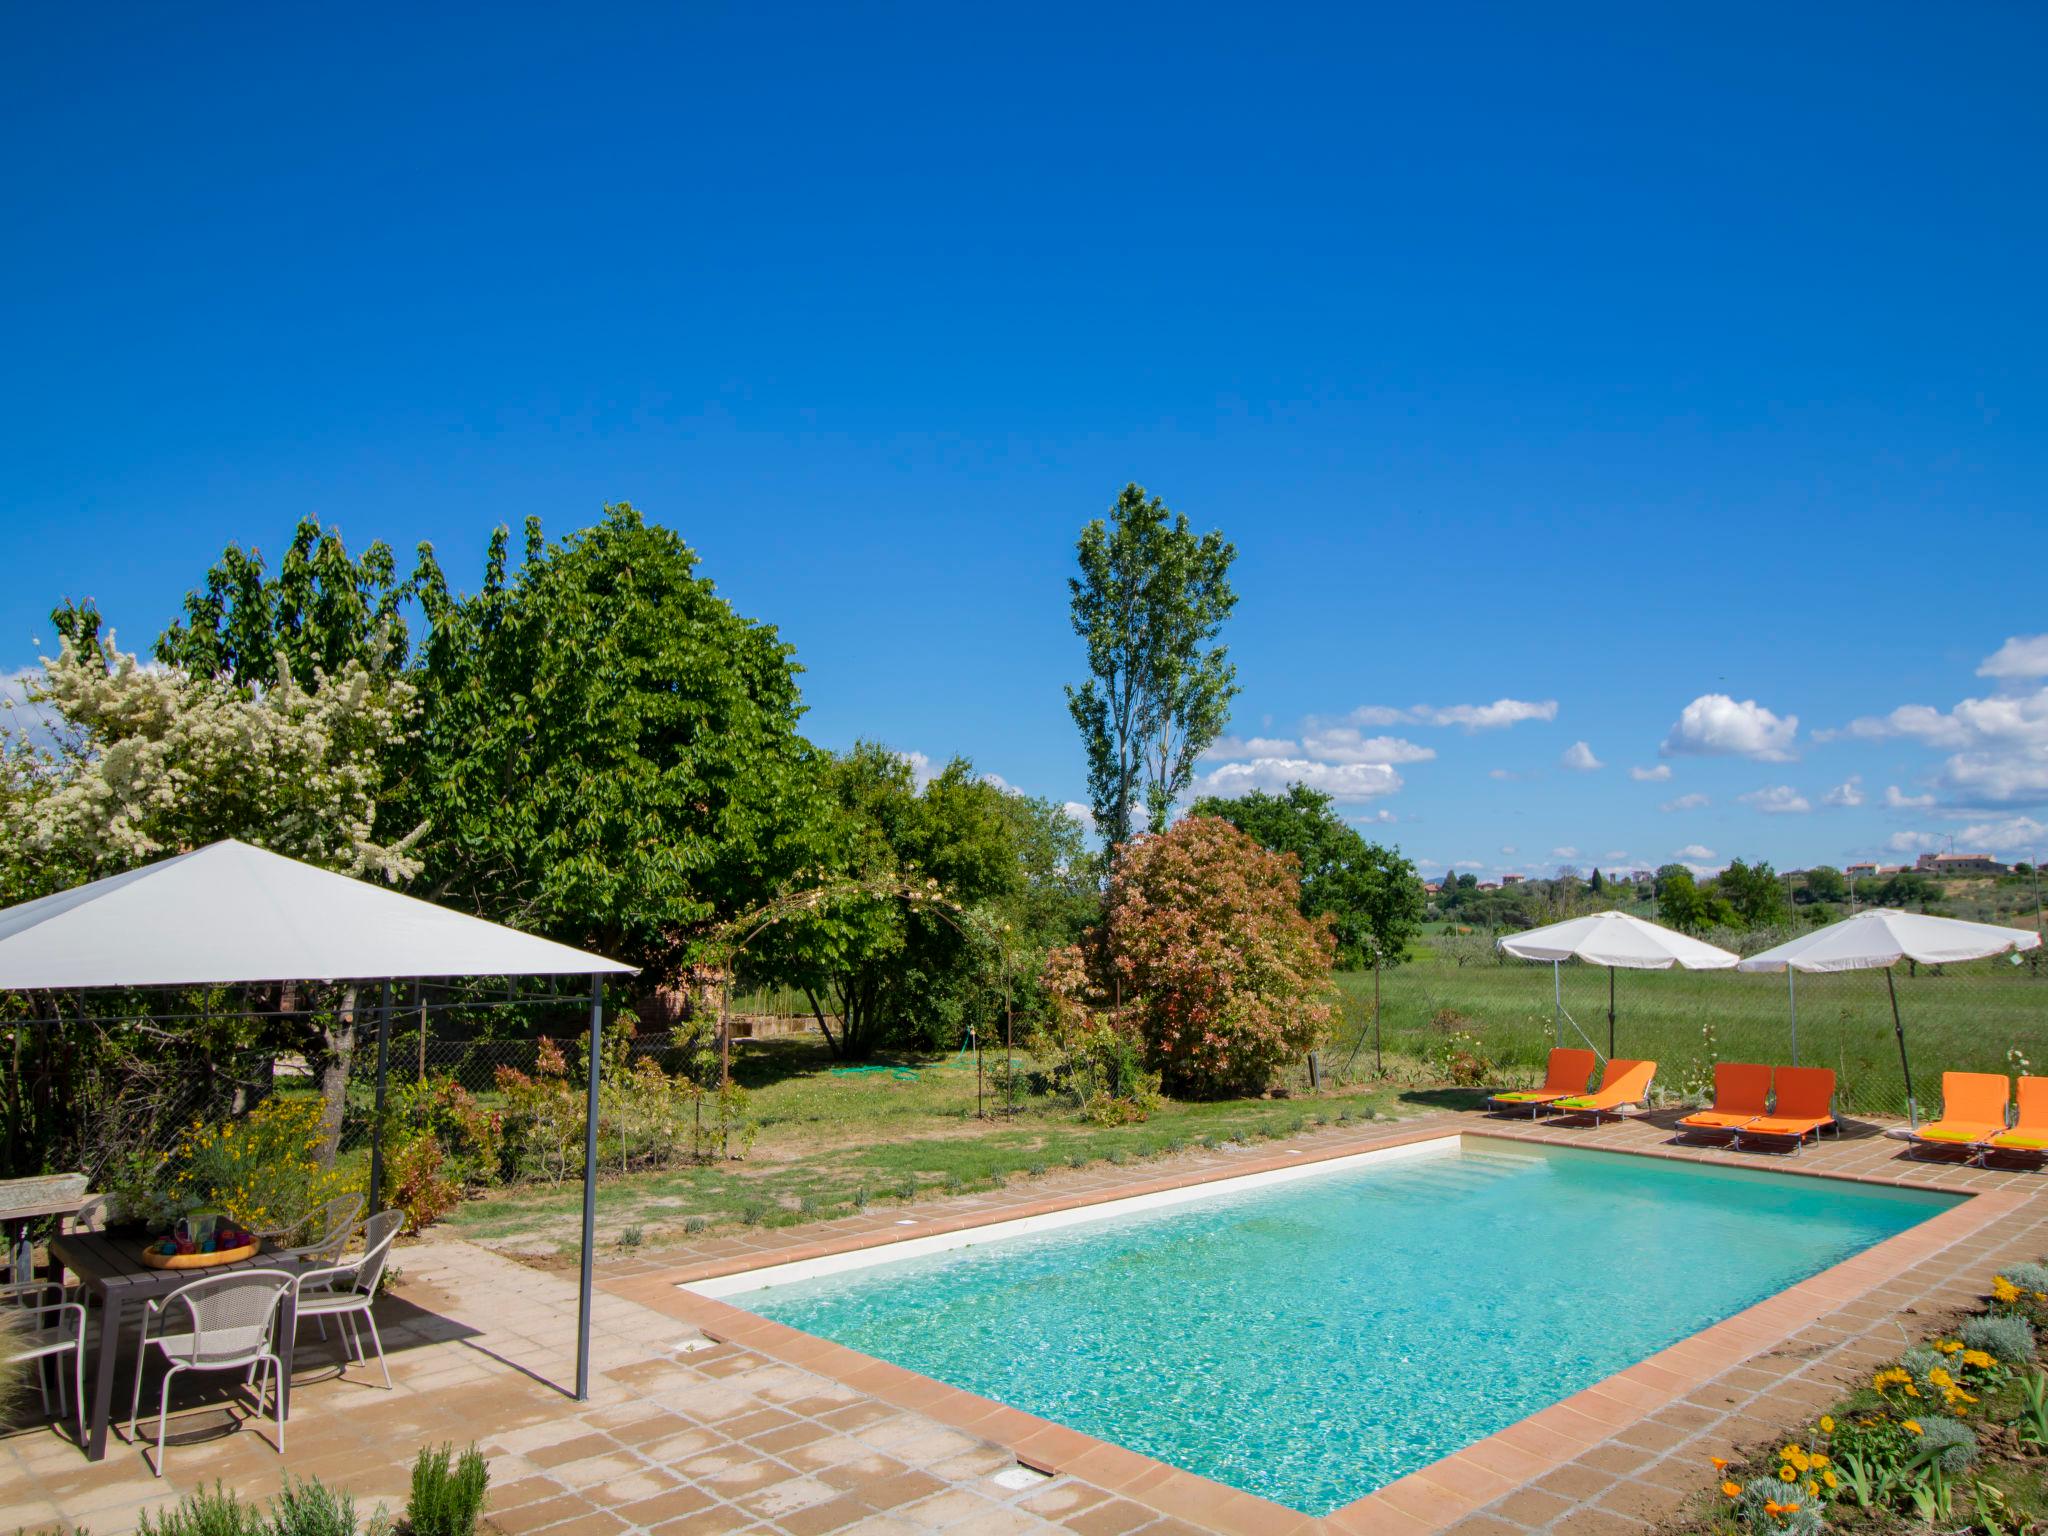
x=1313, y=1340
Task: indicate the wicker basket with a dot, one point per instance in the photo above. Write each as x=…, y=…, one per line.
x=157, y=1260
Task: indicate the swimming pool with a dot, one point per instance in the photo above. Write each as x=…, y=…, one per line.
x=1313, y=1339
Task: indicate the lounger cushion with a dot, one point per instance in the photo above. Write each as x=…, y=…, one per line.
x=1715, y=1120
x=1775, y=1125
x=1954, y=1132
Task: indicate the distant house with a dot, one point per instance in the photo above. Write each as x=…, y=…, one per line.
x=1506, y=880
x=1959, y=864
x=1856, y=871
x=1492, y=885
x=1433, y=887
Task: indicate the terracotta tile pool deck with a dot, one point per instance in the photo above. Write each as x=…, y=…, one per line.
x=705, y=1418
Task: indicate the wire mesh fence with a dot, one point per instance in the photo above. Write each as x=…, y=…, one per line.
x=1984, y=1016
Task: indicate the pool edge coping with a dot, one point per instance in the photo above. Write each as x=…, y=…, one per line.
x=1421, y=1502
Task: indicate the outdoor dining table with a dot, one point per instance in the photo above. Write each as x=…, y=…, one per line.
x=111, y=1269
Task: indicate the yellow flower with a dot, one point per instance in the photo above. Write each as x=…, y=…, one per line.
x=1732, y=1489
x=1827, y=1424
x=1830, y=1479
x=1911, y=1426
x=2004, y=1291
x=1977, y=1359
x=1787, y=1475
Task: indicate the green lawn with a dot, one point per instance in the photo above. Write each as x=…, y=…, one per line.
x=831, y=1142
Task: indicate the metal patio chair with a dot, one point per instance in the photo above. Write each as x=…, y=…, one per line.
x=48, y=1328
x=326, y=1229
x=221, y=1323
x=346, y=1292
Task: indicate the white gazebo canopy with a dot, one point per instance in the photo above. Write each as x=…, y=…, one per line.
x=232, y=913
x=1616, y=939
x=229, y=913
x=1878, y=940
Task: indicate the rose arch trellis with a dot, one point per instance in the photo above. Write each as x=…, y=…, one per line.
x=726, y=943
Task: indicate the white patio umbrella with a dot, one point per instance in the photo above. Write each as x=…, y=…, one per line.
x=1879, y=939
x=1617, y=941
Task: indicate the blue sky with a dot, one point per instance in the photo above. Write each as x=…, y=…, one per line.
x=1588, y=357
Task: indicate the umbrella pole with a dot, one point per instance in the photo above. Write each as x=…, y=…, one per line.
x=1610, y=1013
x=1556, y=1003
x=1912, y=1108
x=1792, y=994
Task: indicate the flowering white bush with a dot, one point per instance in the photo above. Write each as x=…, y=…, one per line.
x=151, y=760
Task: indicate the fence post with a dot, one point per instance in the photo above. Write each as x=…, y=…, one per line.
x=377, y=1115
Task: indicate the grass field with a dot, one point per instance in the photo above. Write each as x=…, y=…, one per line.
x=831, y=1142
x=1965, y=1017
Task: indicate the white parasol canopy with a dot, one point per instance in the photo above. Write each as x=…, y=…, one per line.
x=232, y=913
x=1878, y=940
x=1616, y=939
x=1883, y=936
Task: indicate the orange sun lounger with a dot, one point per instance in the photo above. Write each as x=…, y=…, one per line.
x=1624, y=1085
x=1742, y=1093
x=1972, y=1110
x=1805, y=1107
x=2030, y=1127
x=1566, y=1075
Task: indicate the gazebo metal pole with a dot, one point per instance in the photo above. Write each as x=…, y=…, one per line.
x=377, y=1117
x=589, y=1192
x=1792, y=995
x=1610, y=1012
x=1557, y=1002
x=1899, y=1029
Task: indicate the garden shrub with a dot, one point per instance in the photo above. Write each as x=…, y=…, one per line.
x=1769, y=1504
x=471, y=1136
x=311, y=1508
x=416, y=1183
x=263, y=1169
x=215, y=1511
x=1460, y=1060
x=1220, y=977
x=447, y=1492
x=1954, y=1441
x=2008, y=1340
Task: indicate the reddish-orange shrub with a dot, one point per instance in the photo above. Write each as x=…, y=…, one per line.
x=1223, y=977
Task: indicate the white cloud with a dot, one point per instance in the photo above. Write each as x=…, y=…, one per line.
x=1999, y=745
x=1656, y=775
x=1341, y=781
x=1847, y=794
x=1465, y=864
x=1505, y=775
x=1914, y=842
x=1580, y=759
x=2011, y=835
x=1344, y=744
x=1612, y=855
x=921, y=770
x=1691, y=802
x=1508, y=849
x=1225, y=748
x=1897, y=800
x=1715, y=725
x=1565, y=852
x=1379, y=817
x=1473, y=717
x=1081, y=813
x=2020, y=656
x=1778, y=800
x=1696, y=851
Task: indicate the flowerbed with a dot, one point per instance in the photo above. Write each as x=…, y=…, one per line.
x=1951, y=1436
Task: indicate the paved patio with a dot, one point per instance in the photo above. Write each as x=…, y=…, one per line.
x=758, y=1429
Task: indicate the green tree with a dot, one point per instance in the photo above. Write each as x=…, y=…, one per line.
x=1824, y=883
x=1754, y=891
x=903, y=945
x=606, y=753
x=1149, y=601
x=322, y=610
x=1598, y=883
x=1372, y=895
